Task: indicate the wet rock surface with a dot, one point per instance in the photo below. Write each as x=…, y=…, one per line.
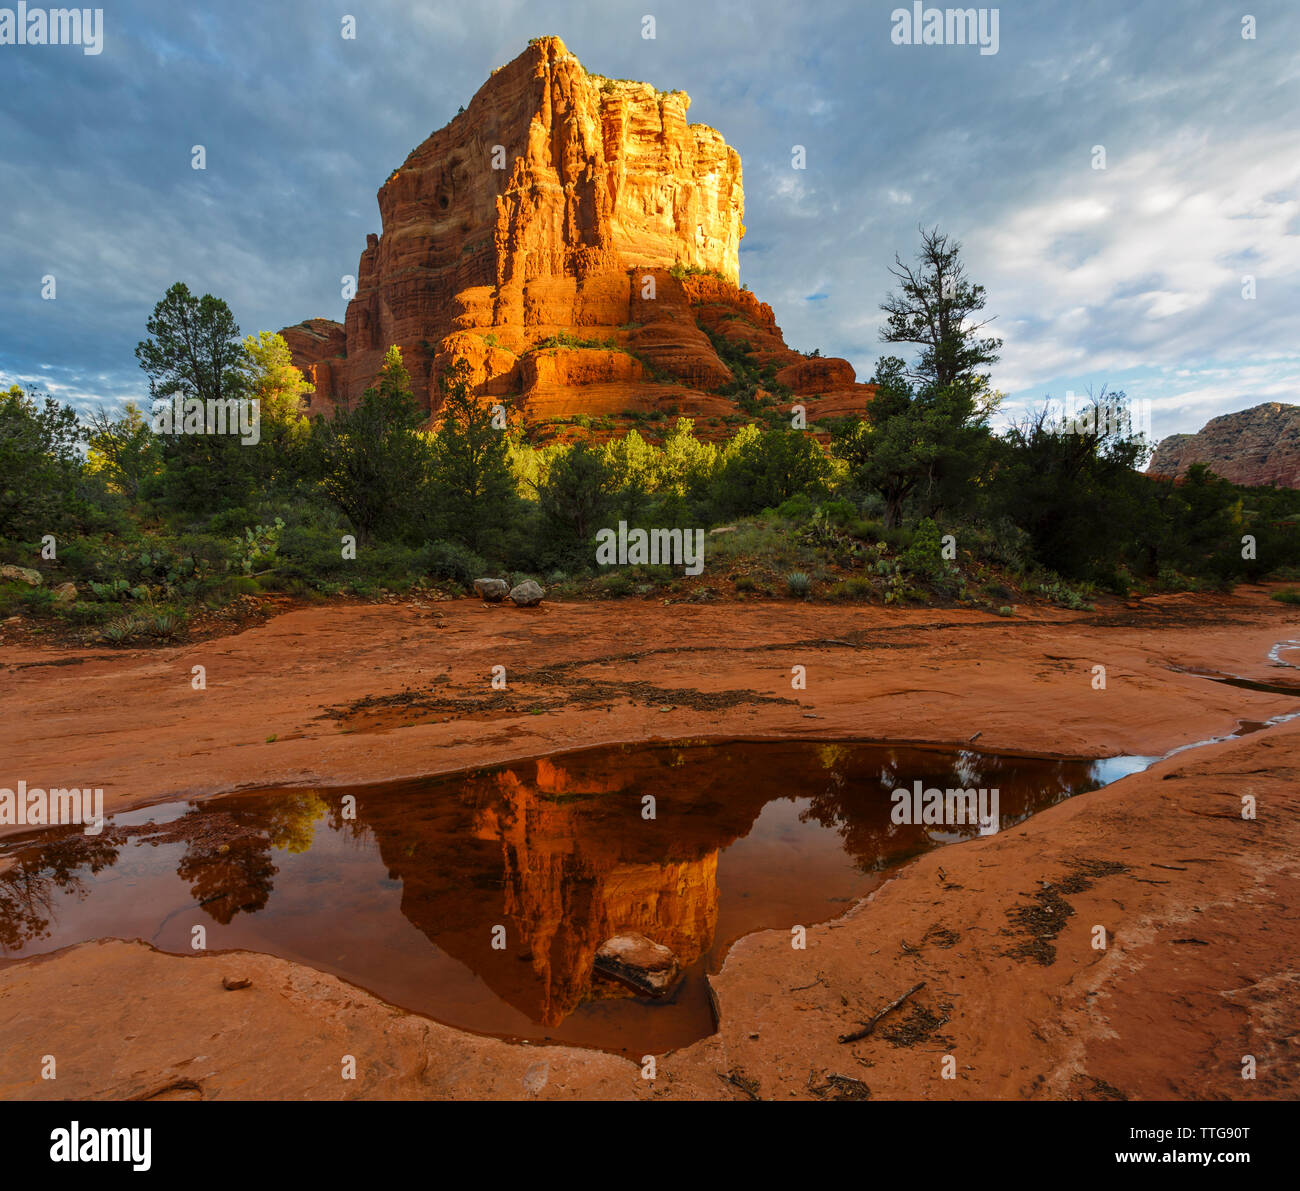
x=1191, y=981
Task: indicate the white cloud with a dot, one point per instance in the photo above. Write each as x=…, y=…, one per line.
x=1171, y=233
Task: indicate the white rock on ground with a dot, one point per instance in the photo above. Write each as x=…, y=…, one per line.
x=492, y=590
x=526, y=594
x=641, y=962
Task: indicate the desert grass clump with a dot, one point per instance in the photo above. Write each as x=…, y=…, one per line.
x=798, y=584
x=164, y=625
x=121, y=630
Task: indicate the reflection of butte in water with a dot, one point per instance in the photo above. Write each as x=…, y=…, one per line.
x=564, y=860
x=556, y=851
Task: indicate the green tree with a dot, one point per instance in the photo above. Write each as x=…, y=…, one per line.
x=898, y=445
x=123, y=450
x=278, y=386
x=933, y=309
x=473, y=486
x=1205, y=526
x=576, y=498
x=928, y=425
x=761, y=469
x=371, y=460
x=636, y=467
x=1076, y=490
x=194, y=352
x=194, y=348
x=688, y=463
x=40, y=465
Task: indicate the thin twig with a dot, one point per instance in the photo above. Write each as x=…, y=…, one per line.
x=858, y=1035
x=731, y=1079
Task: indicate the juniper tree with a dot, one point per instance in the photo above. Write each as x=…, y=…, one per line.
x=194, y=348
x=39, y=464
x=371, y=460
x=194, y=351
x=925, y=431
x=473, y=486
x=933, y=309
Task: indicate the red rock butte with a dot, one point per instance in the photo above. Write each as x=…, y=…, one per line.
x=1253, y=446
x=572, y=238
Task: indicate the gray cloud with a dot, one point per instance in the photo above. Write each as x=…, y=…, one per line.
x=1129, y=275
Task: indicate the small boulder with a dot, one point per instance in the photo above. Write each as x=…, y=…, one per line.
x=22, y=574
x=231, y=983
x=492, y=590
x=65, y=593
x=526, y=594
x=647, y=966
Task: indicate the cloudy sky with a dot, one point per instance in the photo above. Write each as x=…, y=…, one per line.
x=1129, y=276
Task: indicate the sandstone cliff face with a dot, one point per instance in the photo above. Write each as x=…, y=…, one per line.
x=1255, y=446
x=559, y=204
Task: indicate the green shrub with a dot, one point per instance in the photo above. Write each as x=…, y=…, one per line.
x=924, y=558
x=38, y=600
x=80, y=612
x=797, y=508
x=450, y=560
x=855, y=589
x=1059, y=593
x=840, y=512
x=615, y=584
x=866, y=529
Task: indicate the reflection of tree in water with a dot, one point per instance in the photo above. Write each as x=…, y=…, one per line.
x=29, y=885
x=228, y=878
x=855, y=799
x=227, y=860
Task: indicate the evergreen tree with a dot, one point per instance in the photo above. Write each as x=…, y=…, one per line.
x=40, y=465
x=932, y=310
x=576, y=498
x=371, y=460
x=473, y=486
x=194, y=351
